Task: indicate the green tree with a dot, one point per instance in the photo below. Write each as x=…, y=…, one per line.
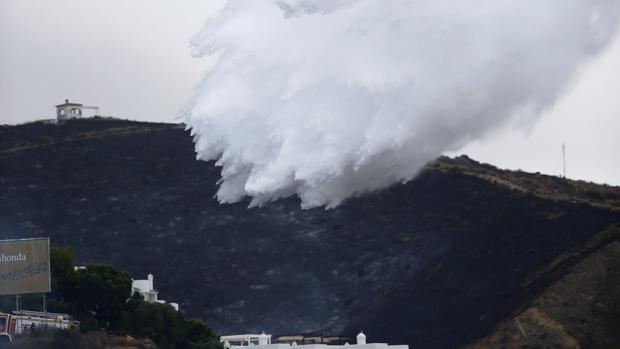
x=166, y=326
x=158, y=322
x=102, y=290
x=199, y=336
x=63, y=274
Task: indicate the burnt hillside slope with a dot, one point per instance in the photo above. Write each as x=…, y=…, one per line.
x=435, y=263
x=580, y=310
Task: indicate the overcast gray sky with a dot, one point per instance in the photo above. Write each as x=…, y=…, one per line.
x=131, y=58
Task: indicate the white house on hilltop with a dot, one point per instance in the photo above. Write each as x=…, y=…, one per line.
x=145, y=289
x=70, y=110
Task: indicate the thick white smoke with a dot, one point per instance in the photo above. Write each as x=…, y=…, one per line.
x=327, y=99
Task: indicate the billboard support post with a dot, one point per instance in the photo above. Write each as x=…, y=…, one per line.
x=45, y=307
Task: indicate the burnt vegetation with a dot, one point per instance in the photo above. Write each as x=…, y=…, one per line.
x=438, y=262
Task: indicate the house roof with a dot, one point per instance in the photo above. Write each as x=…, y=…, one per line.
x=67, y=104
x=242, y=337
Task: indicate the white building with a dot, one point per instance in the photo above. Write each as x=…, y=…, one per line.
x=263, y=341
x=70, y=110
x=145, y=289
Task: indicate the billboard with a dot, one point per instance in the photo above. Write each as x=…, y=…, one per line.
x=25, y=266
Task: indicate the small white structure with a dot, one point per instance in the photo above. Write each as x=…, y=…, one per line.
x=361, y=338
x=263, y=341
x=145, y=289
x=70, y=110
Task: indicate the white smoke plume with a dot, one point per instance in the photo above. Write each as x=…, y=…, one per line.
x=328, y=99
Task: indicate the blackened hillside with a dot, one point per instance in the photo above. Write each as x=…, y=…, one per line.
x=435, y=263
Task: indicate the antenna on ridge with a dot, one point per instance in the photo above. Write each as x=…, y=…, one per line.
x=564, y=158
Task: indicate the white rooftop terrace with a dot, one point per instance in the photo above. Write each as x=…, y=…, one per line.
x=263, y=341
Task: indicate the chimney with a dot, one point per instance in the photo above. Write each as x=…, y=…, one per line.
x=361, y=338
x=263, y=339
x=66, y=101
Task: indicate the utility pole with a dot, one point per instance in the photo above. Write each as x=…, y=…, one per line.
x=564, y=158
